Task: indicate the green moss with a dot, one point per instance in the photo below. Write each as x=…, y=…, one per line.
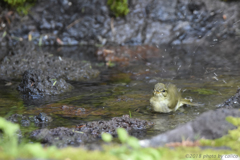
x=22, y=6
x=125, y=103
x=118, y=7
x=231, y=140
x=121, y=78
x=80, y=153
x=204, y=91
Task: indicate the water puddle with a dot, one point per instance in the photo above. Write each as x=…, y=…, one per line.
x=208, y=75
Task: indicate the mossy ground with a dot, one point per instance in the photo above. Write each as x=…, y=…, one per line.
x=205, y=91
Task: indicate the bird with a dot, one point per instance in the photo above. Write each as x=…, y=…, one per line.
x=167, y=98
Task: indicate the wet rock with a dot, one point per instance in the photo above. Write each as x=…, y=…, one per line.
x=74, y=22
x=27, y=57
x=15, y=118
x=233, y=102
x=209, y=125
x=90, y=131
x=62, y=137
x=41, y=120
x=25, y=121
x=130, y=124
x=36, y=83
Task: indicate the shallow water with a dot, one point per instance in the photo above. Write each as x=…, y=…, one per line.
x=208, y=75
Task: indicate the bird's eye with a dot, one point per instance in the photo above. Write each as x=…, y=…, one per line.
x=163, y=90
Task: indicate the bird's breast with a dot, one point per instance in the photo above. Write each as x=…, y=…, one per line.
x=160, y=105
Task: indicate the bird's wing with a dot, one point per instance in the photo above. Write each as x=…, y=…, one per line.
x=173, y=96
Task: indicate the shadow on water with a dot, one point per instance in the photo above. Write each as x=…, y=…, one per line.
x=208, y=75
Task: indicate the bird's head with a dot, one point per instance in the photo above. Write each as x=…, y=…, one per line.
x=160, y=90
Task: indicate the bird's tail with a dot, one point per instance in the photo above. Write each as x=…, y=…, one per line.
x=189, y=102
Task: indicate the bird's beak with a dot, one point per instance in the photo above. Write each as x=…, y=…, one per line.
x=155, y=92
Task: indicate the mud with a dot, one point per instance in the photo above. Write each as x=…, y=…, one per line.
x=209, y=125
x=90, y=132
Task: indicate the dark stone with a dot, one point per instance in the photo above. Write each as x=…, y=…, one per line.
x=41, y=120
x=36, y=83
x=195, y=6
x=148, y=22
x=62, y=137
x=25, y=121
x=24, y=56
x=91, y=131
x=130, y=124
x=15, y=118
x=233, y=102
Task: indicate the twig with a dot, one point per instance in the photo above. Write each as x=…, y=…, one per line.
x=73, y=23
x=112, y=26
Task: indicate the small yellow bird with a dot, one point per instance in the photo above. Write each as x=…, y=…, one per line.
x=167, y=98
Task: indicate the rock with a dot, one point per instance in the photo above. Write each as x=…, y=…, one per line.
x=209, y=125
x=62, y=137
x=26, y=57
x=149, y=22
x=41, y=120
x=36, y=83
x=89, y=132
x=130, y=124
x=233, y=102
